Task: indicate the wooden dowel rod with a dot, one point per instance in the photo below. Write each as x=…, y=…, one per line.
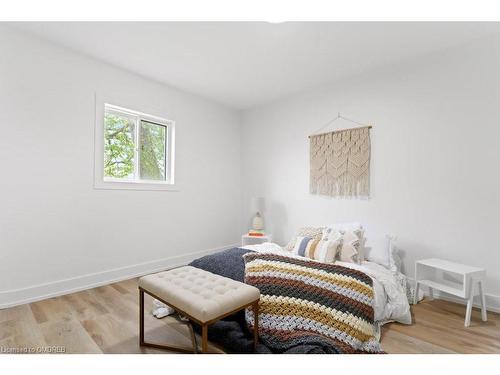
x=339, y=131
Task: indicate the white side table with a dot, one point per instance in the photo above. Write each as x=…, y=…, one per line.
x=254, y=240
x=425, y=271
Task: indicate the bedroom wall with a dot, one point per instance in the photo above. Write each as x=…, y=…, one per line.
x=58, y=233
x=434, y=172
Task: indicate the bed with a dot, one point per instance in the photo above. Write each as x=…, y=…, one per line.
x=389, y=301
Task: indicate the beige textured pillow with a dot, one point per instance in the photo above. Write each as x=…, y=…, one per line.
x=326, y=250
x=313, y=232
x=349, y=251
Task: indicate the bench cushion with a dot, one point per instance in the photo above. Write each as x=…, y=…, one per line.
x=201, y=294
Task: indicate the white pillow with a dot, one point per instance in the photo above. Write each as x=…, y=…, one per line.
x=381, y=250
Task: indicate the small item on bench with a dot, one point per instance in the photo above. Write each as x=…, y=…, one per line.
x=201, y=296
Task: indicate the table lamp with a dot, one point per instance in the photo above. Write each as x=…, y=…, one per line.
x=258, y=208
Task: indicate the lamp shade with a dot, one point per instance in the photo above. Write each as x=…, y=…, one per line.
x=257, y=204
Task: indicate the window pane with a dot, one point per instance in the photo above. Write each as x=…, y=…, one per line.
x=153, y=147
x=119, y=141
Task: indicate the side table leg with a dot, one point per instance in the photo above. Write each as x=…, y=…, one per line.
x=468, y=312
x=484, y=315
x=415, y=297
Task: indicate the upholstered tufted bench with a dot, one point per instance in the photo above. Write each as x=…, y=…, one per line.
x=201, y=296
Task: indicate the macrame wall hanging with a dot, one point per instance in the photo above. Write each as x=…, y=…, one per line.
x=340, y=162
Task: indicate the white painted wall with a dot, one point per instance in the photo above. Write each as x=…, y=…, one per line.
x=435, y=157
x=56, y=231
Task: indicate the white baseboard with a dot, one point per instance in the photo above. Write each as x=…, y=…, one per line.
x=492, y=300
x=14, y=297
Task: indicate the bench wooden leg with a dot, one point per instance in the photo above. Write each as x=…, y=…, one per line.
x=204, y=338
x=255, y=309
x=157, y=346
x=193, y=338
x=141, y=317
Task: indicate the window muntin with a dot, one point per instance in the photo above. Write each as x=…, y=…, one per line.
x=137, y=147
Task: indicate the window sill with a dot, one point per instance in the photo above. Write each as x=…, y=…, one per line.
x=122, y=185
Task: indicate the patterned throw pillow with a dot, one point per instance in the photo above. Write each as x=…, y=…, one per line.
x=312, y=232
x=321, y=250
x=358, y=230
x=352, y=238
x=351, y=242
x=303, y=244
x=329, y=232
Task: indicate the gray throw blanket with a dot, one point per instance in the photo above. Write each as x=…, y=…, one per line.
x=232, y=332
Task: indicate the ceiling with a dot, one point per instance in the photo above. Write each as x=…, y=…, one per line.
x=245, y=64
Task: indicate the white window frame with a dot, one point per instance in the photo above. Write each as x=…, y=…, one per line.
x=103, y=182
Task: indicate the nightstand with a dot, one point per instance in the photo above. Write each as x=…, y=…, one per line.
x=254, y=240
x=425, y=274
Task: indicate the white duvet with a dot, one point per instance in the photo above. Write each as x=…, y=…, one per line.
x=390, y=301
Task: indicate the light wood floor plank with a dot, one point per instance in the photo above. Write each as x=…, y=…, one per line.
x=51, y=310
x=398, y=343
x=441, y=324
x=70, y=335
x=120, y=288
x=21, y=312
x=84, y=306
x=21, y=330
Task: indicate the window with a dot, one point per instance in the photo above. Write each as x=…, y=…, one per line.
x=137, y=149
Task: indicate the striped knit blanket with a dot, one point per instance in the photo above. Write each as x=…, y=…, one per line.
x=308, y=302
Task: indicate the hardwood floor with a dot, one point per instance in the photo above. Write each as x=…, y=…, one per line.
x=438, y=327
x=105, y=320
